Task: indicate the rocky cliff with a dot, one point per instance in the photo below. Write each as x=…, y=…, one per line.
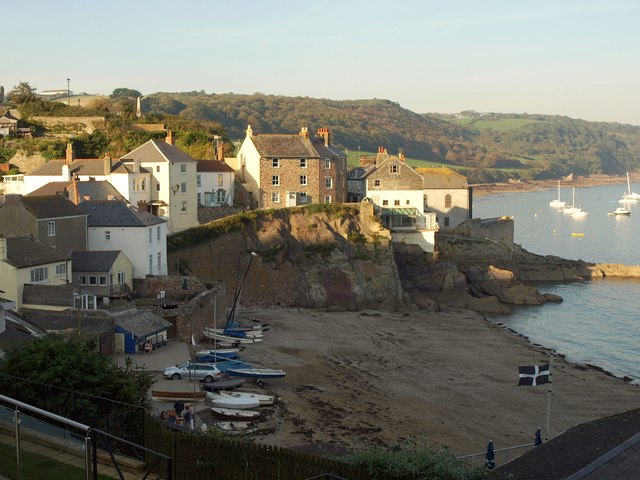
x=317, y=257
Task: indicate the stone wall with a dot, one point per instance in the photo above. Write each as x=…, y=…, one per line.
x=497, y=229
x=70, y=125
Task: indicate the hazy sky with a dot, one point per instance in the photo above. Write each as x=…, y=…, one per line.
x=570, y=57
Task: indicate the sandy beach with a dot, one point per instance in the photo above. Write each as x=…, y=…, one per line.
x=446, y=379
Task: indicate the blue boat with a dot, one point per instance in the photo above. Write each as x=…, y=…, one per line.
x=214, y=357
x=251, y=372
x=225, y=365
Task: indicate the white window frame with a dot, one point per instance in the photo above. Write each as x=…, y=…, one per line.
x=376, y=183
x=183, y=168
x=102, y=280
x=275, y=197
x=159, y=261
x=150, y=235
x=51, y=229
x=327, y=199
x=327, y=164
x=198, y=180
x=122, y=278
x=39, y=274
x=275, y=180
x=93, y=280
x=183, y=187
x=394, y=169
x=61, y=269
x=220, y=180
x=396, y=203
x=303, y=163
x=304, y=198
x=107, y=235
x=385, y=203
x=303, y=180
x=158, y=233
x=82, y=279
x=275, y=163
x=328, y=182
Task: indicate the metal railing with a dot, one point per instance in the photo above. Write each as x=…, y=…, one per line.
x=502, y=455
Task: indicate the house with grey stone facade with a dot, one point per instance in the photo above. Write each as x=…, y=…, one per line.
x=286, y=170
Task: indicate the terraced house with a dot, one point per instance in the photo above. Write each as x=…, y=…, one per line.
x=286, y=170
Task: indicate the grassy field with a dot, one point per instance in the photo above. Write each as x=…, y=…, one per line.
x=353, y=160
x=499, y=124
x=38, y=466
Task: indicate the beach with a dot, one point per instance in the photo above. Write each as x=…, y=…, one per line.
x=577, y=181
x=361, y=379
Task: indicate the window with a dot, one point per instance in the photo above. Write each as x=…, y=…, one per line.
x=183, y=168
x=158, y=187
x=327, y=164
x=61, y=269
x=150, y=264
x=447, y=201
x=198, y=198
x=275, y=162
x=275, y=197
x=183, y=187
x=143, y=184
x=159, y=262
x=407, y=202
x=198, y=180
x=220, y=180
x=150, y=235
x=107, y=235
x=303, y=179
x=51, y=229
x=93, y=280
x=102, y=280
x=82, y=279
x=327, y=199
x=39, y=275
x=157, y=168
x=303, y=197
x=275, y=180
x=376, y=183
x=158, y=233
x=121, y=278
x=394, y=169
x=385, y=203
x=303, y=163
x=184, y=207
x=221, y=196
x=396, y=203
x=446, y=221
x=328, y=182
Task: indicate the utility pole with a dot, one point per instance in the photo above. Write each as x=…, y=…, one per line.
x=68, y=92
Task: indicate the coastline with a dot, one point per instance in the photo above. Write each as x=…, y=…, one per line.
x=360, y=379
x=481, y=189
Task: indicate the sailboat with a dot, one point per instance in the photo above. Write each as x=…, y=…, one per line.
x=577, y=212
x=629, y=196
x=572, y=208
x=557, y=203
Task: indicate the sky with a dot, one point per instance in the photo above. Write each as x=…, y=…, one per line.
x=577, y=58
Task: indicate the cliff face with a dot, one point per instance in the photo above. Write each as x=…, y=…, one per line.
x=319, y=260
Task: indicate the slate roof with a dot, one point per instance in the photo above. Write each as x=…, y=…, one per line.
x=442, y=178
x=293, y=146
x=51, y=206
x=607, y=448
x=18, y=331
x=88, y=190
x=158, y=151
x=80, y=166
x=50, y=295
x=116, y=213
x=94, y=261
x=213, y=166
x=92, y=322
x=25, y=252
x=142, y=323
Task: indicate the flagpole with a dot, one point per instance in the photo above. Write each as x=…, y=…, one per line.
x=548, y=421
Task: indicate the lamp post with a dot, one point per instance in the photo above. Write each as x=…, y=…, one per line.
x=68, y=92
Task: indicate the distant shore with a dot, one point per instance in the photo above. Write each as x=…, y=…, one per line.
x=481, y=189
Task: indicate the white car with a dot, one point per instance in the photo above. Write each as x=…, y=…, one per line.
x=192, y=371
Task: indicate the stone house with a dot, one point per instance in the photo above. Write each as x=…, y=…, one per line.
x=8, y=125
x=395, y=190
x=286, y=170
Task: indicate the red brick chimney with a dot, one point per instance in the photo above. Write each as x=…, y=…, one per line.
x=70, y=155
x=324, y=133
x=221, y=151
x=169, y=138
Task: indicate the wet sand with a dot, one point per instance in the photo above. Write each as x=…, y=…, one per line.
x=447, y=379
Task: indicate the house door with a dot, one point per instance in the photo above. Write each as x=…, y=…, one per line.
x=291, y=199
x=119, y=338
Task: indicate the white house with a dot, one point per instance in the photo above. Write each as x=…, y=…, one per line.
x=395, y=189
x=172, y=187
x=214, y=183
x=141, y=236
x=448, y=194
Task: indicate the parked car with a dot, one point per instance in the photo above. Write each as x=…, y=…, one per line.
x=192, y=370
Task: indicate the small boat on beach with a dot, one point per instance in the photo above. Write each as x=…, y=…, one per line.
x=213, y=334
x=164, y=396
x=262, y=399
x=255, y=373
x=223, y=384
x=221, y=352
x=234, y=414
x=236, y=427
x=222, y=400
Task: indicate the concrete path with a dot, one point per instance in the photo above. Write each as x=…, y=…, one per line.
x=174, y=352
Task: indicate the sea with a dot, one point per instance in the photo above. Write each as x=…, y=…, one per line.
x=598, y=323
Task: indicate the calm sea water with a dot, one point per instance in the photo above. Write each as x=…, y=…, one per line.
x=598, y=322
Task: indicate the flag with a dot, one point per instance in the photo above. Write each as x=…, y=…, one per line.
x=534, y=375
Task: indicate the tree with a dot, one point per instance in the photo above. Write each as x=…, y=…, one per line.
x=125, y=92
x=22, y=93
x=67, y=376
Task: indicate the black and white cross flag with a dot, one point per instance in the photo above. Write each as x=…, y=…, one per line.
x=534, y=375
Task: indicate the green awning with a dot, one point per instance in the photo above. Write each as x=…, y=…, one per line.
x=404, y=212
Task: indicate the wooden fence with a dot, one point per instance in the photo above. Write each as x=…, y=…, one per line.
x=207, y=457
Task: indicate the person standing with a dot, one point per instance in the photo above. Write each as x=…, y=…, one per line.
x=178, y=407
x=188, y=417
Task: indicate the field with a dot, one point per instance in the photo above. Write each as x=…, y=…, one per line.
x=500, y=125
x=353, y=159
